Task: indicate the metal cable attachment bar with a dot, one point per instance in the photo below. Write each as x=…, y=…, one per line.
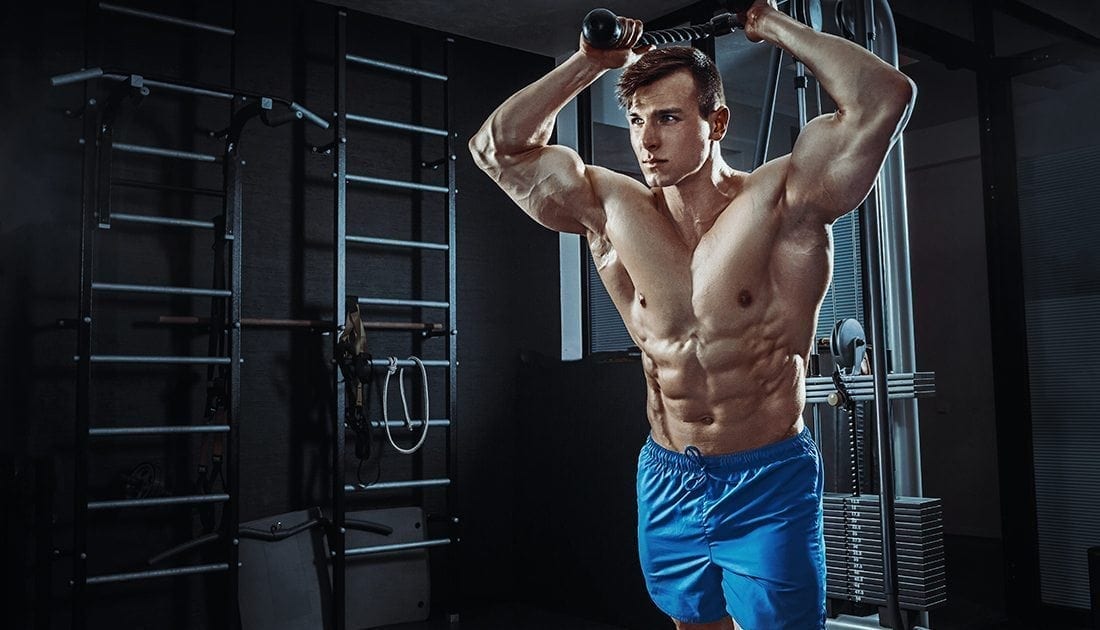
x=672, y=35
x=145, y=575
x=363, y=551
x=719, y=25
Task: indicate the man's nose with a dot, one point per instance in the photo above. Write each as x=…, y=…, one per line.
x=650, y=137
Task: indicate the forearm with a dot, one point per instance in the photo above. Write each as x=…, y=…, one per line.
x=526, y=120
x=856, y=79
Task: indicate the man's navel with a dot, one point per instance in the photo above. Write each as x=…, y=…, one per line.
x=744, y=298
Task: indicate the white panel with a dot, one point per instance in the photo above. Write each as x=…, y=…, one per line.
x=569, y=255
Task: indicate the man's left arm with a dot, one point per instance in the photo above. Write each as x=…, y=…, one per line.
x=837, y=157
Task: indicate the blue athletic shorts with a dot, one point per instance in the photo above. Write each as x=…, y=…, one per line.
x=737, y=534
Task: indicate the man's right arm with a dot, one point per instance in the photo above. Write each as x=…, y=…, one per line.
x=551, y=183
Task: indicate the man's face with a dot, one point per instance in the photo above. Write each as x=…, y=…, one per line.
x=669, y=136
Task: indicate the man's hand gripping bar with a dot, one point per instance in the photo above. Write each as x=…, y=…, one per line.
x=601, y=29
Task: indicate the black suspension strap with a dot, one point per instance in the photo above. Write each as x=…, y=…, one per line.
x=212, y=445
x=355, y=363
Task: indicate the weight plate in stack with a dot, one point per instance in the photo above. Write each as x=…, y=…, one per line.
x=853, y=550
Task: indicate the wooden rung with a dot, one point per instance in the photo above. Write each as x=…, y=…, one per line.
x=403, y=326
x=258, y=322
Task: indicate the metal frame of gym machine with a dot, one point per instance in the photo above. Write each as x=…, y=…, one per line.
x=341, y=177
x=883, y=218
x=98, y=145
x=884, y=221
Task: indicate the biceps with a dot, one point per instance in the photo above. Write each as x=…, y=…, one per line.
x=551, y=185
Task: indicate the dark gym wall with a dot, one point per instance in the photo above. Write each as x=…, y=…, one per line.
x=507, y=277
x=961, y=427
x=951, y=316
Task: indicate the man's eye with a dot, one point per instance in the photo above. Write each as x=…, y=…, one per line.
x=635, y=121
x=668, y=118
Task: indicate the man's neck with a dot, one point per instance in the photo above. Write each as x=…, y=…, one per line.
x=697, y=200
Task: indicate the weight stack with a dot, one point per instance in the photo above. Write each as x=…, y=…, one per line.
x=853, y=550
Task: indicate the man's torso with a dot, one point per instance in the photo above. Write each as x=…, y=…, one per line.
x=724, y=314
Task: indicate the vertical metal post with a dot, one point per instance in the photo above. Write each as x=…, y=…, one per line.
x=455, y=596
x=767, y=109
x=798, y=11
x=231, y=511
x=88, y=227
x=85, y=393
x=898, y=297
x=872, y=262
x=884, y=442
x=339, y=174
x=416, y=220
x=898, y=291
x=1011, y=384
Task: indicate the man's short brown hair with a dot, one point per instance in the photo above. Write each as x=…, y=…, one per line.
x=661, y=62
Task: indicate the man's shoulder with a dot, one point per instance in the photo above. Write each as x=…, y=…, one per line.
x=771, y=173
x=767, y=183
x=616, y=187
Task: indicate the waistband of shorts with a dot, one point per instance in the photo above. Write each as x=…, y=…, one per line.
x=794, y=446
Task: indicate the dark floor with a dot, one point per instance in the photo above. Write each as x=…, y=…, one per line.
x=512, y=616
x=975, y=601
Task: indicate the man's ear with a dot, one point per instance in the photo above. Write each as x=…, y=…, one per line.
x=719, y=122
